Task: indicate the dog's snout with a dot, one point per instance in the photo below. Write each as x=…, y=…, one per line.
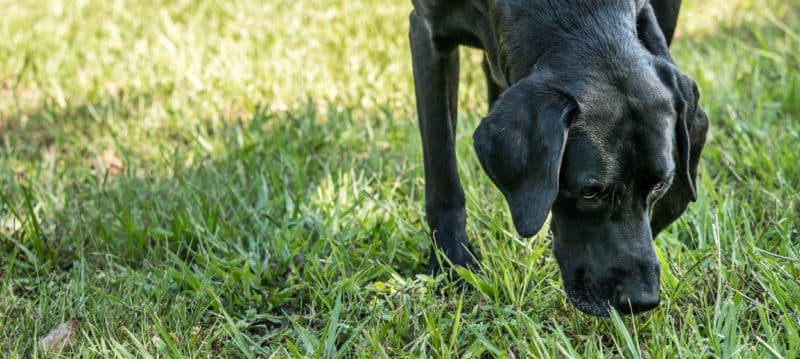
x=638, y=290
x=622, y=269
x=632, y=302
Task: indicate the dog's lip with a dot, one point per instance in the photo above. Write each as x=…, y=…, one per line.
x=584, y=301
x=583, y=293
x=597, y=309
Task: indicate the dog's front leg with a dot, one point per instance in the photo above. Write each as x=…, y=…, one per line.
x=436, y=88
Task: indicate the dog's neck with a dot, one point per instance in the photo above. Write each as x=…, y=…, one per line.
x=569, y=35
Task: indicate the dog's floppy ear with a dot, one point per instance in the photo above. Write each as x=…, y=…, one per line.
x=520, y=145
x=690, y=136
x=686, y=104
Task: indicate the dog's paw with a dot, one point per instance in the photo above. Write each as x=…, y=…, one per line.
x=443, y=261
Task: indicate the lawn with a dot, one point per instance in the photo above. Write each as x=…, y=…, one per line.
x=243, y=179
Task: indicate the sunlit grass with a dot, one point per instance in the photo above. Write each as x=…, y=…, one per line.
x=244, y=179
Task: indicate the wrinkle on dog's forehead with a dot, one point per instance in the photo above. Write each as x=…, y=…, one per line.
x=594, y=140
x=629, y=123
x=589, y=157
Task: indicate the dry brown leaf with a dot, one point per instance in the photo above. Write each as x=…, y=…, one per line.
x=113, y=89
x=60, y=337
x=110, y=161
x=85, y=75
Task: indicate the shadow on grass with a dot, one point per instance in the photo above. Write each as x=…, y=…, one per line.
x=263, y=215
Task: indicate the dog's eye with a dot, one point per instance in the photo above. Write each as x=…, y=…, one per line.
x=591, y=194
x=657, y=187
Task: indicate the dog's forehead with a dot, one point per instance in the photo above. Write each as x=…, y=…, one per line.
x=619, y=136
x=608, y=113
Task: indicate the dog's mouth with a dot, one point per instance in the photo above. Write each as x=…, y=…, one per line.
x=590, y=297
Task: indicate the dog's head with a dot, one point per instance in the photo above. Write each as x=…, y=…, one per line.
x=614, y=159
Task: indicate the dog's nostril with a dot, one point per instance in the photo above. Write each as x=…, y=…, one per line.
x=632, y=304
x=580, y=274
x=624, y=300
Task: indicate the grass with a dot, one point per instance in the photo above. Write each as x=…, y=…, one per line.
x=243, y=179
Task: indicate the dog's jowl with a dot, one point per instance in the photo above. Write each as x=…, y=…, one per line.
x=590, y=120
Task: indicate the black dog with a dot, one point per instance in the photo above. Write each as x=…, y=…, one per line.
x=589, y=117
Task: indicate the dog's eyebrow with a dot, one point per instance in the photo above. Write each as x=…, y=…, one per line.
x=660, y=175
x=601, y=181
x=665, y=175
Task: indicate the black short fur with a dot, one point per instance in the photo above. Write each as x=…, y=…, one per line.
x=589, y=120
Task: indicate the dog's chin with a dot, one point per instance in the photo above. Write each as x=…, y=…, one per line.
x=589, y=295
x=597, y=307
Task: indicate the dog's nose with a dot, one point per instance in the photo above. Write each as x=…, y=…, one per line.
x=633, y=303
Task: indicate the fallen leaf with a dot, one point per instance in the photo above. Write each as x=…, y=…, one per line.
x=113, y=89
x=85, y=75
x=110, y=161
x=60, y=337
